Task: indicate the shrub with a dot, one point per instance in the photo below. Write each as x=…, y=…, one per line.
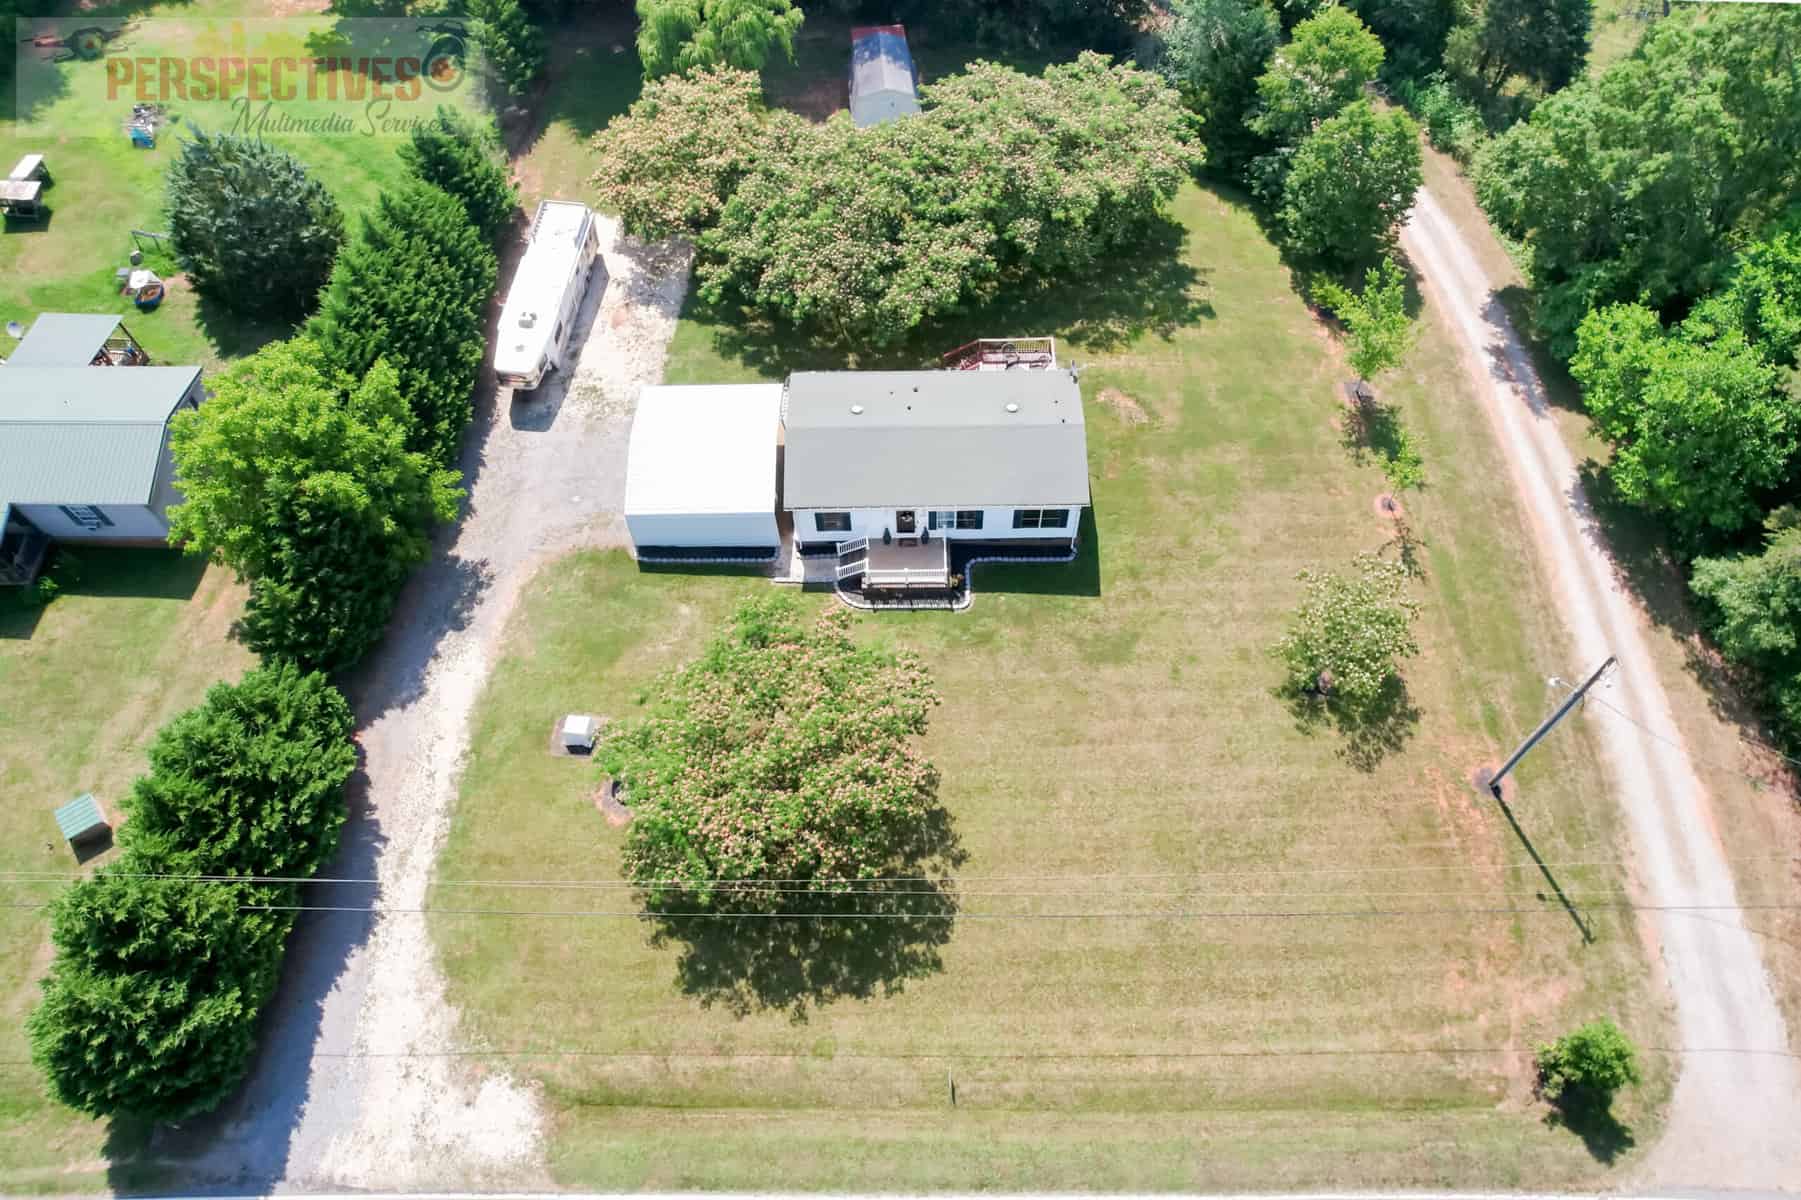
x=1587, y=1066
x=452, y=153
x=1453, y=124
x=1752, y=606
x=251, y=228
x=1350, y=633
x=312, y=496
x=413, y=289
x=784, y=752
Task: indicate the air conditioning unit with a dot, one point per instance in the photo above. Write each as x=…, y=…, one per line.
x=580, y=732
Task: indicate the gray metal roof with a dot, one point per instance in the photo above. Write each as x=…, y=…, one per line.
x=934, y=439
x=85, y=435
x=63, y=340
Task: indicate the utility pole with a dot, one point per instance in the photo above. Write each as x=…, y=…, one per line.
x=1545, y=726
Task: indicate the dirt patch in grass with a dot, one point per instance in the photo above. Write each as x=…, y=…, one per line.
x=1124, y=407
x=606, y=800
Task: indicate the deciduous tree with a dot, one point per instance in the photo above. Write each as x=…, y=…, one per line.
x=309, y=494
x=786, y=751
x=1700, y=428
x=1351, y=182
x=1631, y=186
x=1350, y=633
x=677, y=36
x=1587, y=1066
x=1325, y=67
x=1380, y=330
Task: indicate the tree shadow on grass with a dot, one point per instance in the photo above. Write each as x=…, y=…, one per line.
x=1151, y=289
x=864, y=945
x=1370, y=732
x=1604, y=1135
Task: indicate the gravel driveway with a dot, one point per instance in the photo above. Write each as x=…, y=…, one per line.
x=347, y=1093
x=1735, y=1118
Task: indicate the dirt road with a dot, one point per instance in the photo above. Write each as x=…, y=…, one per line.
x=348, y=1093
x=1737, y=1109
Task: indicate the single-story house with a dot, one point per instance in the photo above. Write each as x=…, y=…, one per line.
x=883, y=83
x=702, y=471
x=885, y=469
x=987, y=456
x=84, y=450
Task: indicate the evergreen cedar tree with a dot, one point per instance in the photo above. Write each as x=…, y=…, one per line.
x=255, y=233
x=1213, y=54
x=858, y=236
x=513, y=50
x=678, y=36
x=452, y=153
x=786, y=751
x=151, y=1005
x=412, y=289
x=311, y=494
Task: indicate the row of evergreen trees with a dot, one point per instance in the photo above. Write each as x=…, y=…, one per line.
x=316, y=470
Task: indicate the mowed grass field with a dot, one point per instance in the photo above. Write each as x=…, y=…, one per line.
x=85, y=683
x=1200, y=946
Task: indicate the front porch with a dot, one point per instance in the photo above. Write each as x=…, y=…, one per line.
x=907, y=564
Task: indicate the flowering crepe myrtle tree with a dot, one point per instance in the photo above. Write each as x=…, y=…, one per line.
x=1348, y=636
x=785, y=752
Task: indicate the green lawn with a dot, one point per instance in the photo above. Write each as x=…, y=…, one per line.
x=1109, y=742
x=84, y=685
x=104, y=188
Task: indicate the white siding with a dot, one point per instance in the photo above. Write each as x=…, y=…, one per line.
x=704, y=529
x=997, y=525
x=130, y=523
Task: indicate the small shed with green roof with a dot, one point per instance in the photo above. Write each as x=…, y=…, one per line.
x=82, y=819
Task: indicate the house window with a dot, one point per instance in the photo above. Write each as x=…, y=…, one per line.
x=831, y=522
x=88, y=516
x=962, y=518
x=1041, y=518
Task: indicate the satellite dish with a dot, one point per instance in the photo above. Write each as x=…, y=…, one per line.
x=14, y=330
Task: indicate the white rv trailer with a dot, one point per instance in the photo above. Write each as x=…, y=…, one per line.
x=541, y=306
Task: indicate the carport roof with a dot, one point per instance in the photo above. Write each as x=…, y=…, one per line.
x=704, y=449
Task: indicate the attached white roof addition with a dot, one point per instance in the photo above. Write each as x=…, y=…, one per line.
x=706, y=449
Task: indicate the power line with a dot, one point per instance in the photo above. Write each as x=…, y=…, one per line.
x=815, y=885
x=1657, y=736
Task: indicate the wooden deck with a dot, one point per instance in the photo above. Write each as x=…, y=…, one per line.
x=899, y=566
